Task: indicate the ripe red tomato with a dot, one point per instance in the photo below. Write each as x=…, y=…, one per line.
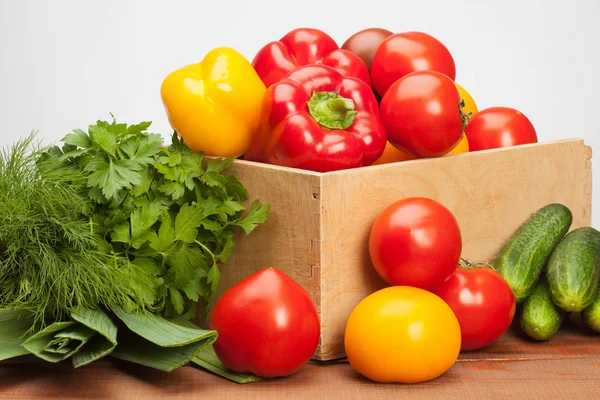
x=365, y=43
x=267, y=325
x=421, y=114
x=402, y=53
x=497, y=127
x=483, y=303
x=415, y=242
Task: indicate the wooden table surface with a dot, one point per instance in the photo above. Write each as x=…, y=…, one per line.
x=568, y=367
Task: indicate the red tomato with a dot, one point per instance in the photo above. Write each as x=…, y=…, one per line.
x=267, y=325
x=421, y=114
x=483, y=303
x=365, y=43
x=497, y=127
x=402, y=53
x=415, y=242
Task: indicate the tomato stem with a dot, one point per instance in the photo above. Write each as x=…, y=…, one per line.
x=465, y=117
x=466, y=264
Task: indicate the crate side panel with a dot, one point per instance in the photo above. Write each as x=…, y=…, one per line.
x=290, y=239
x=491, y=193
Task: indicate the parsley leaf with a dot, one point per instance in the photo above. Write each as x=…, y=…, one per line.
x=166, y=236
x=168, y=216
x=105, y=139
x=257, y=215
x=142, y=220
x=219, y=164
x=187, y=222
x=234, y=188
x=214, y=277
x=175, y=190
x=78, y=138
x=142, y=149
x=121, y=233
x=112, y=176
x=177, y=300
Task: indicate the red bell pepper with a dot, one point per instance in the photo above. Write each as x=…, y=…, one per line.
x=319, y=120
x=305, y=46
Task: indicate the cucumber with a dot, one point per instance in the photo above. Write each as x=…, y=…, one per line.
x=591, y=315
x=574, y=270
x=540, y=317
x=521, y=260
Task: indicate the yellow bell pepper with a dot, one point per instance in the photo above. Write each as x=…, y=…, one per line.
x=215, y=105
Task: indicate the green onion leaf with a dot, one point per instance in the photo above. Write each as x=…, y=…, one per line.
x=163, y=332
x=160, y=343
x=207, y=359
x=103, y=343
x=14, y=328
x=59, y=341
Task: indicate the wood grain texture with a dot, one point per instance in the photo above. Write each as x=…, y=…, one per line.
x=318, y=228
x=290, y=239
x=567, y=367
x=491, y=194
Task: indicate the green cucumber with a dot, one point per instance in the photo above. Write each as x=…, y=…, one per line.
x=591, y=315
x=521, y=260
x=574, y=270
x=540, y=317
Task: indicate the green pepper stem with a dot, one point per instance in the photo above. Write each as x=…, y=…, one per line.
x=331, y=110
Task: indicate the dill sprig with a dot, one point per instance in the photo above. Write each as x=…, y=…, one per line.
x=50, y=260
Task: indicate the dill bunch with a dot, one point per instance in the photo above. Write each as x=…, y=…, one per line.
x=50, y=258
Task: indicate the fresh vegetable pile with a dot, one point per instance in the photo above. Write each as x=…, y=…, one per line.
x=111, y=244
x=440, y=304
x=304, y=102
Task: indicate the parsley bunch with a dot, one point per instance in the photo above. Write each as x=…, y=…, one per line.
x=166, y=210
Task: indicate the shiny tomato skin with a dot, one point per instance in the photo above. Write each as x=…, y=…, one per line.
x=365, y=43
x=421, y=114
x=415, y=242
x=497, y=127
x=267, y=325
x=402, y=334
x=402, y=53
x=483, y=303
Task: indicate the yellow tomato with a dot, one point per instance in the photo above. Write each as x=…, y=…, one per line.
x=461, y=147
x=391, y=155
x=402, y=334
x=470, y=106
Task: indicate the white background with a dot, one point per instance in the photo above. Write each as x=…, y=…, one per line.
x=65, y=64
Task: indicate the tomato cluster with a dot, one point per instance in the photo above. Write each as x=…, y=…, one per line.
x=433, y=309
x=425, y=112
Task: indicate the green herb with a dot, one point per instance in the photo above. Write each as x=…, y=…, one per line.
x=160, y=343
x=59, y=341
x=142, y=338
x=50, y=262
x=104, y=341
x=15, y=328
x=168, y=211
x=207, y=359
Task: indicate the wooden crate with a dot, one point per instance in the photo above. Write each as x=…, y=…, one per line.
x=319, y=224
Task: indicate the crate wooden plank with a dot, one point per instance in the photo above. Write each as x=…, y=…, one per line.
x=515, y=368
x=318, y=228
x=491, y=194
